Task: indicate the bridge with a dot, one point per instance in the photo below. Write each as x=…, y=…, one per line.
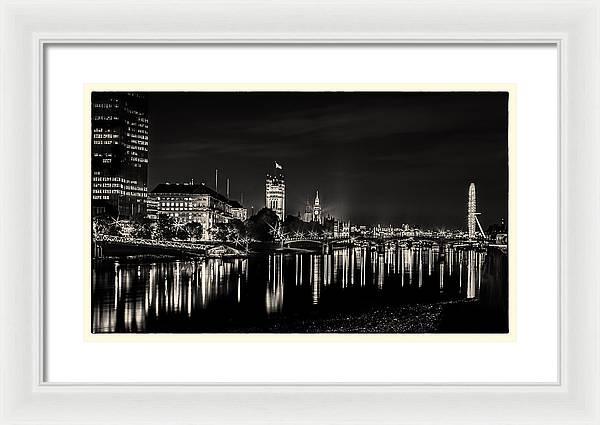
x=324, y=243
x=99, y=241
x=324, y=240
x=288, y=241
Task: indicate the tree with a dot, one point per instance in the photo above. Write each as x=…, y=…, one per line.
x=294, y=226
x=101, y=225
x=165, y=227
x=229, y=232
x=258, y=226
x=179, y=231
x=105, y=225
x=219, y=232
x=194, y=230
x=142, y=229
x=237, y=228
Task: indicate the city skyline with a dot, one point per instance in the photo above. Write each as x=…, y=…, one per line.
x=387, y=158
x=387, y=182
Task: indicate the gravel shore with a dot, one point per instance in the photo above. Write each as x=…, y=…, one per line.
x=413, y=318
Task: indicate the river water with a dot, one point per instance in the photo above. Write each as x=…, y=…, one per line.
x=257, y=293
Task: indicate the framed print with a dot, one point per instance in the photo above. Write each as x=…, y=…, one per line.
x=261, y=212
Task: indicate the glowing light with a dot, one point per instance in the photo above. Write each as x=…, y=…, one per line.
x=471, y=211
x=420, y=268
x=471, y=277
x=352, y=267
x=380, y=270
x=315, y=278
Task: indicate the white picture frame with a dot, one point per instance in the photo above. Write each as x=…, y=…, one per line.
x=28, y=27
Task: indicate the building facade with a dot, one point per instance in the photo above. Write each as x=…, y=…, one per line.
x=341, y=229
x=317, y=213
x=275, y=192
x=119, y=153
x=238, y=211
x=193, y=203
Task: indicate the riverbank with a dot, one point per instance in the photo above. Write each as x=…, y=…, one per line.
x=416, y=318
x=440, y=317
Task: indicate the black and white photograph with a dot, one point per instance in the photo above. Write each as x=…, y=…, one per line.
x=299, y=212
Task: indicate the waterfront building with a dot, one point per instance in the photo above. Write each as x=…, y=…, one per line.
x=193, y=203
x=381, y=231
x=341, y=229
x=317, y=213
x=361, y=230
x=275, y=191
x=472, y=211
x=119, y=153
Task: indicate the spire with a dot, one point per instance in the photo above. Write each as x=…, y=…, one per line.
x=317, y=210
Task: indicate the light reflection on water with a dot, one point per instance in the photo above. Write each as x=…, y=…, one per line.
x=150, y=297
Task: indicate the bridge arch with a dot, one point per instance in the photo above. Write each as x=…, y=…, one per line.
x=306, y=241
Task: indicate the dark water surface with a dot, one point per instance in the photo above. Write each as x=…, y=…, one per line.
x=259, y=293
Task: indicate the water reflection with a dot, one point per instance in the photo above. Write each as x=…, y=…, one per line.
x=315, y=266
x=149, y=297
x=274, y=296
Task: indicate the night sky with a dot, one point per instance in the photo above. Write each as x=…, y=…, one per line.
x=388, y=158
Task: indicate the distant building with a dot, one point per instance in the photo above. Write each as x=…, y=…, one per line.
x=275, y=192
x=119, y=153
x=498, y=231
x=193, y=203
x=341, y=229
x=361, y=230
x=317, y=213
x=307, y=216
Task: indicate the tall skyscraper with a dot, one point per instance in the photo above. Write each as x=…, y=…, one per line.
x=119, y=153
x=471, y=211
x=317, y=213
x=275, y=191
